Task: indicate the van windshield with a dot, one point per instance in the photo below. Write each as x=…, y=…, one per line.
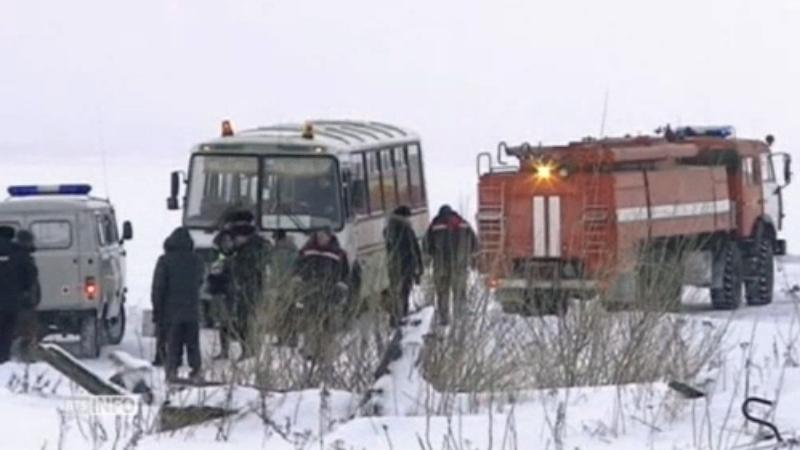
x=289, y=192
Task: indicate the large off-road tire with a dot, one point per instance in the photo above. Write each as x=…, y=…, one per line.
x=91, y=336
x=762, y=272
x=114, y=328
x=729, y=295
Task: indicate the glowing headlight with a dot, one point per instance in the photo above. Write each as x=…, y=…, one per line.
x=543, y=171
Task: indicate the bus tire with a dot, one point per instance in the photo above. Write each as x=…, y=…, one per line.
x=759, y=288
x=728, y=295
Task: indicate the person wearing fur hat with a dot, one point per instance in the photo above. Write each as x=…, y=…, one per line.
x=249, y=271
x=403, y=261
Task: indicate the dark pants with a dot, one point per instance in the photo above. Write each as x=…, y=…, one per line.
x=447, y=282
x=28, y=329
x=8, y=328
x=245, y=312
x=400, y=290
x=162, y=336
x=183, y=335
x=226, y=322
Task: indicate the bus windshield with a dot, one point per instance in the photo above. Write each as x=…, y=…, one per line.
x=289, y=192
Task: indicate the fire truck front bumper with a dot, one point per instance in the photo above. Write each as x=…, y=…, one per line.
x=554, y=285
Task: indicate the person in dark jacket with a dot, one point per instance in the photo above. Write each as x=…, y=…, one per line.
x=28, y=324
x=323, y=270
x=18, y=276
x=220, y=285
x=248, y=270
x=404, y=261
x=176, y=300
x=451, y=243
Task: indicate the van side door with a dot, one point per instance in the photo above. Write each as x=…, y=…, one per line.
x=111, y=262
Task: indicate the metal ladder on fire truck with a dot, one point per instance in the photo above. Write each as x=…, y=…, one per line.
x=595, y=221
x=491, y=225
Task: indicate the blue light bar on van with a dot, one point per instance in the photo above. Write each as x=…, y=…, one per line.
x=56, y=189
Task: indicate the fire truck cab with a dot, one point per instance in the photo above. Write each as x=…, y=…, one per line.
x=629, y=219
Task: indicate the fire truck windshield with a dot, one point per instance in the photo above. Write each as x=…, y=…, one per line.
x=290, y=192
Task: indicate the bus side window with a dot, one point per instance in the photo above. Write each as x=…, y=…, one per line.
x=401, y=170
x=387, y=175
x=358, y=186
x=415, y=175
x=374, y=183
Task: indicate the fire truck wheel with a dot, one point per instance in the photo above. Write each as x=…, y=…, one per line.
x=729, y=295
x=759, y=288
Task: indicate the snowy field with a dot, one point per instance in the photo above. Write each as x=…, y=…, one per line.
x=759, y=356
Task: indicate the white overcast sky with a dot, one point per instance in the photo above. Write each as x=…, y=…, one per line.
x=148, y=78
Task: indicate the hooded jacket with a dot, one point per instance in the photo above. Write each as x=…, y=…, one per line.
x=177, y=280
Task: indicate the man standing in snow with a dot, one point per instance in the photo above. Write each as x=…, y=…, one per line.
x=248, y=269
x=176, y=301
x=323, y=270
x=452, y=245
x=18, y=275
x=404, y=261
x=220, y=286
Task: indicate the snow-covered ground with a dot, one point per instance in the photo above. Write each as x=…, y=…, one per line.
x=760, y=357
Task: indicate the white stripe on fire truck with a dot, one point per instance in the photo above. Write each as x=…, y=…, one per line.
x=539, y=232
x=673, y=211
x=554, y=226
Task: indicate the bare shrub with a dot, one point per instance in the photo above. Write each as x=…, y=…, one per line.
x=589, y=345
x=298, y=348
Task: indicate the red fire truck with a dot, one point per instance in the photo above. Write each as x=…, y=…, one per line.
x=585, y=219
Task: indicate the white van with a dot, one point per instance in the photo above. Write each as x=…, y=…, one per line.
x=80, y=257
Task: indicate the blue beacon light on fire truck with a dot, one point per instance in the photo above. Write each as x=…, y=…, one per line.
x=58, y=189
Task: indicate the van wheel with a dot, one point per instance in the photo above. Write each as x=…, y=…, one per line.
x=729, y=295
x=90, y=337
x=115, y=327
x=759, y=288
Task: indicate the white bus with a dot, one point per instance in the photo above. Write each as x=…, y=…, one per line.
x=346, y=175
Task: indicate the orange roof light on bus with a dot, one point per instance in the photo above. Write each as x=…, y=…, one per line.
x=227, y=128
x=308, y=131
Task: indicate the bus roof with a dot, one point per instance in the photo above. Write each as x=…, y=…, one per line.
x=335, y=136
